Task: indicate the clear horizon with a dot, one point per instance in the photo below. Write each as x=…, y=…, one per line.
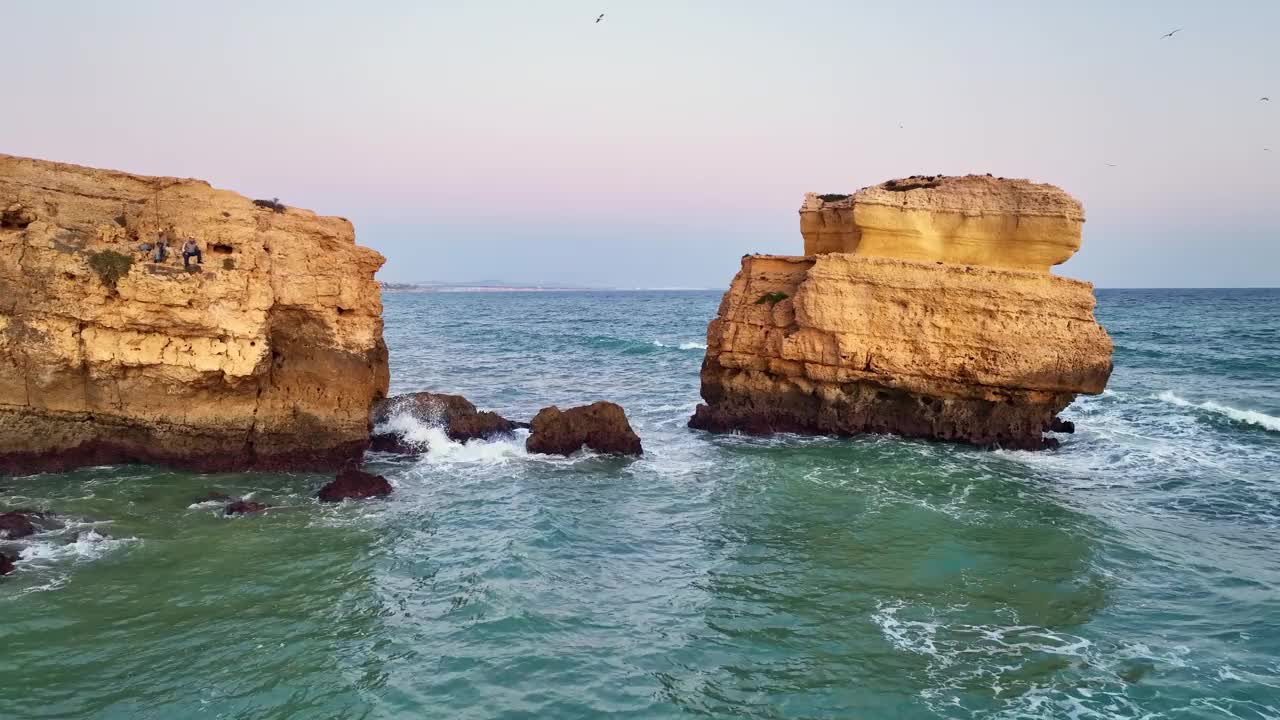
x=653, y=149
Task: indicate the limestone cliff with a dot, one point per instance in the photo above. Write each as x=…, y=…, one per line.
x=268, y=355
x=931, y=317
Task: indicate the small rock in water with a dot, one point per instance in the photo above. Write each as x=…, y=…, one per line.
x=244, y=507
x=16, y=525
x=601, y=426
x=6, y=563
x=354, y=484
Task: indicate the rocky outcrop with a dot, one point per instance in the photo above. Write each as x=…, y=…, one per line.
x=948, y=342
x=352, y=484
x=454, y=414
x=267, y=356
x=600, y=426
x=6, y=563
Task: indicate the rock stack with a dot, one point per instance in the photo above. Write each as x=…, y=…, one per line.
x=922, y=307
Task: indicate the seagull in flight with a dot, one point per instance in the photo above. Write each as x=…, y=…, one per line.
x=1112, y=165
x=598, y=19
x=1170, y=33
x=1264, y=99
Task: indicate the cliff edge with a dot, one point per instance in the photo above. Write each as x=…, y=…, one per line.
x=268, y=355
x=927, y=312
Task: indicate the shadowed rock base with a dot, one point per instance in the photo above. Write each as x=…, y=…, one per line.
x=855, y=408
x=72, y=440
x=6, y=563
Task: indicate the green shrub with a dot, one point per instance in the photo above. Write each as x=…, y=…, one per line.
x=773, y=298
x=832, y=198
x=228, y=264
x=110, y=266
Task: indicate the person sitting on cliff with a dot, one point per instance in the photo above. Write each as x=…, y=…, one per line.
x=161, y=249
x=190, y=250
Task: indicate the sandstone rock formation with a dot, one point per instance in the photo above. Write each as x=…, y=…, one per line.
x=970, y=220
x=269, y=355
x=459, y=419
x=600, y=426
x=354, y=485
x=935, y=317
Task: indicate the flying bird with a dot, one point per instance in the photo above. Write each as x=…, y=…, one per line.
x=601, y=17
x=1170, y=33
x=1264, y=99
x=1112, y=165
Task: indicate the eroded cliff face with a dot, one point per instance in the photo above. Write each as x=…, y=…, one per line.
x=267, y=356
x=846, y=340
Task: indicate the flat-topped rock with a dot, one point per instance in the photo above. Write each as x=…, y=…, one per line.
x=967, y=220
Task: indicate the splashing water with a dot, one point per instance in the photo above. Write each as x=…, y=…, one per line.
x=1131, y=574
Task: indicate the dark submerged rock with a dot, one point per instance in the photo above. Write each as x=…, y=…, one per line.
x=354, y=484
x=6, y=563
x=1062, y=426
x=15, y=525
x=245, y=507
x=213, y=496
x=601, y=426
x=456, y=415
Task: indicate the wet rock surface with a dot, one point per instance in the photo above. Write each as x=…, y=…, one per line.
x=19, y=524
x=600, y=426
x=245, y=507
x=454, y=414
x=352, y=484
x=6, y=563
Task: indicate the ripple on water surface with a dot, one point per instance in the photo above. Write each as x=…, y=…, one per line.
x=1131, y=574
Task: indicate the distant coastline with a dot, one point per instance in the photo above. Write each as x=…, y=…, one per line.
x=487, y=287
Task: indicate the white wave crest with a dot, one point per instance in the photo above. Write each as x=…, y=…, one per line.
x=683, y=345
x=442, y=450
x=88, y=545
x=1250, y=417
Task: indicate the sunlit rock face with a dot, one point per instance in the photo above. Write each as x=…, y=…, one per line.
x=267, y=355
x=969, y=220
x=935, y=318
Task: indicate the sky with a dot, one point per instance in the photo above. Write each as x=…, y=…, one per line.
x=523, y=142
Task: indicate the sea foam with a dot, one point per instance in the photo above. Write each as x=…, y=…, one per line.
x=440, y=449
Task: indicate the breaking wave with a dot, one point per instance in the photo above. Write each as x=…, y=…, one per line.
x=438, y=448
x=682, y=346
x=1249, y=417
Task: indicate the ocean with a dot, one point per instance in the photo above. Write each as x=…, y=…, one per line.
x=1133, y=573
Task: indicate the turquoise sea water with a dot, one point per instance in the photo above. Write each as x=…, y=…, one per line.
x=1134, y=573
